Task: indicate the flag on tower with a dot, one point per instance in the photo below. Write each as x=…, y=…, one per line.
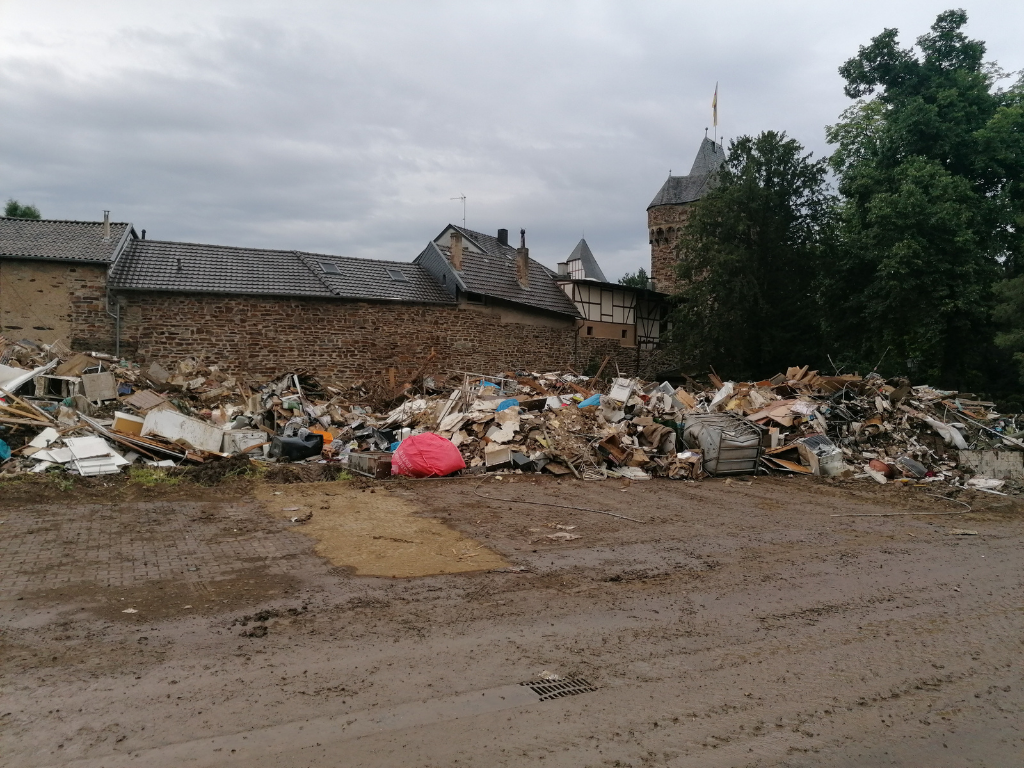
x=714, y=107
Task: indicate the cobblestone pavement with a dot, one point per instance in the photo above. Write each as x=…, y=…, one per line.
x=738, y=624
x=126, y=545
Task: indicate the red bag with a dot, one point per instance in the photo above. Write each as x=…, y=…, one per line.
x=426, y=455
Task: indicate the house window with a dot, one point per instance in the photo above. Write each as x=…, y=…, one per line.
x=330, y=267
x=623, y=333
x=397, y=275
x=590, y=330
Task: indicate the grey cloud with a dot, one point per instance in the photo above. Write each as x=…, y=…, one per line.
x=347, y=129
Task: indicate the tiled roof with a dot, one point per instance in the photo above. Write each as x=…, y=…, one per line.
x=493, y=273
x=196, y=268
x=60, y=240
x=686, y=189
x=590, y=266
x=377, y=280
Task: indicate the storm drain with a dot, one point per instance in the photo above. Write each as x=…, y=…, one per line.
x=556, y=689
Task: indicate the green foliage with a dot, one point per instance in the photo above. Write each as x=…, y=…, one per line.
x=638, y=279
x=1009, y=314
x=930, y=163
x=16, y=210
x=151, y=476
x=749, y=258
x=61, y=480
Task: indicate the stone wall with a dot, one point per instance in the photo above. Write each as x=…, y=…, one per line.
x=44, y=301
x=664, y=223
x=348, y=341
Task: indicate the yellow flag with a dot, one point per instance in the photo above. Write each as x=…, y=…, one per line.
x=714, y=107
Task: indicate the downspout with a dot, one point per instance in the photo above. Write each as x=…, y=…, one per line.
x=117, y=320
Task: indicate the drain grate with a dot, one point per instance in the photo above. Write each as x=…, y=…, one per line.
x=556, y=689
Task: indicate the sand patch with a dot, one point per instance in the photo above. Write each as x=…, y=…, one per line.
x=377, y=534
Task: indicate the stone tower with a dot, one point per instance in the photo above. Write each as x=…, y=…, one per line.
x=668, y=212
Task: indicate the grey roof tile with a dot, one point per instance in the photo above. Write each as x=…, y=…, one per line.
x=378, y=280
x=701, y=179
x=58, y=240
x=591, y=268
x=197, y=268
x=493, y=273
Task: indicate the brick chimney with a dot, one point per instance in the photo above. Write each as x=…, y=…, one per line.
x=523, y=261
x=456, y=250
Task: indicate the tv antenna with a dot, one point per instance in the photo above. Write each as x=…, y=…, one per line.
x=463, y=199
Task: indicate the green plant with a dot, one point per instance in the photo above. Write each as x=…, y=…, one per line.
x=61, y=480
x=151, y=476
x=250, y=468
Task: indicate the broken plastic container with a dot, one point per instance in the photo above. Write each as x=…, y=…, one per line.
x=731, y=445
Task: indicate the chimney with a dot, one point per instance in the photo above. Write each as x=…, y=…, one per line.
x=503, y=236
x=523, y=261
x=563, y=269
x=106, y=226
x=143, y=234
x=456, y=250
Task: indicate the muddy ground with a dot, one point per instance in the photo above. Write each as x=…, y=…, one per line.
x=736, y=624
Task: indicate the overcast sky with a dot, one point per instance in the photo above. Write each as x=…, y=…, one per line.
x=346, y=128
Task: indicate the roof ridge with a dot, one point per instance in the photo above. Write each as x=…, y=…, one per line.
x=149, y=241
x=360, y=259
x=66, y=221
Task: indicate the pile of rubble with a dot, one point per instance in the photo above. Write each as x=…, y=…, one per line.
x=92, y=413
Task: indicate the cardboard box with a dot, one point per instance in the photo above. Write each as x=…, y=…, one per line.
x=127, y=423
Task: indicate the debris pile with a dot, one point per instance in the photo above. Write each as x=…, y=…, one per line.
x=92, y=413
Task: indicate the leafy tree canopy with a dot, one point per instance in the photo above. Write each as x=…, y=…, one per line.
x=638, y=279
x=749, y=257
x=930, y=162
x=16, y=210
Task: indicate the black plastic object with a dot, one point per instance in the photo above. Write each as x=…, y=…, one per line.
x=295, y=448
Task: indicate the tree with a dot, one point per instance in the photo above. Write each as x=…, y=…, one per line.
x=749, y=258
x=929, y=163
x=639, y=279
x=16, y=210
x=1009, y=313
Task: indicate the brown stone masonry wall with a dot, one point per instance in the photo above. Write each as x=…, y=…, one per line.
x=664, y=224
x=351, y=340
x=44, y=301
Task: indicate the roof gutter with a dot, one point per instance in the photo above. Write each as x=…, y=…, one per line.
x=273, y=294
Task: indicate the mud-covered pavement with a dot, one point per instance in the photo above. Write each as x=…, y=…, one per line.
x=739, y=624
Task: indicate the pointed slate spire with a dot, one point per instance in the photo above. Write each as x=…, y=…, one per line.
x=591, y=269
